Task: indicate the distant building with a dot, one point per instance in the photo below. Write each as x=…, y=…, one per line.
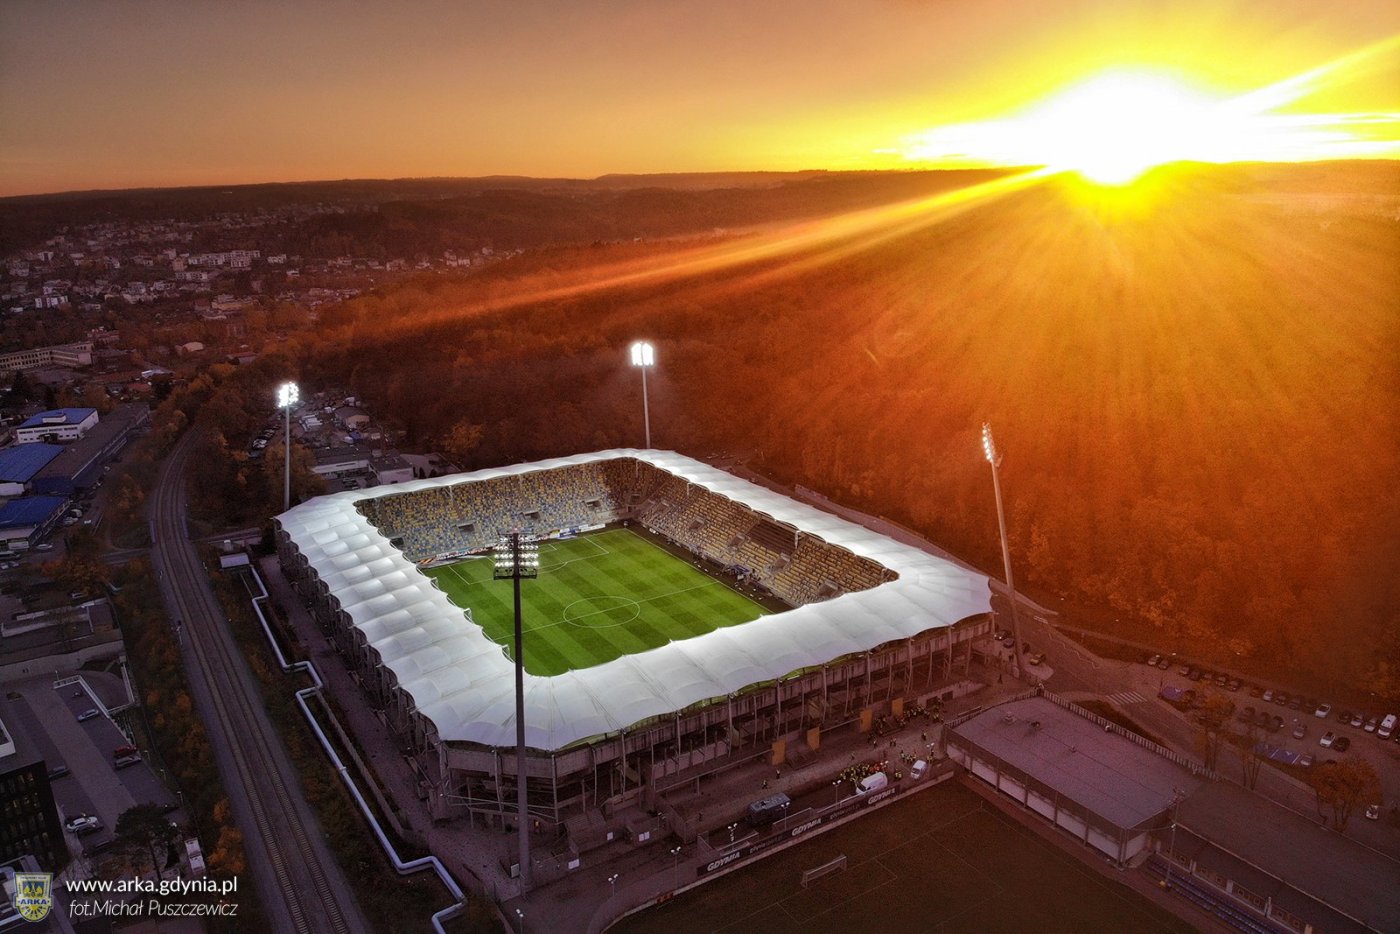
x=79, y=465
x=56, y=425
x=391, y=468
x=23, y=522
x=30, y=825
x=76, y=354
x=352, y=417
x=19, y=464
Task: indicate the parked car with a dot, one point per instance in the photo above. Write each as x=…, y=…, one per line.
x=1184, y=671
x=122, y=762
x=1342, y=744
x=1165, y=663
x=1295, y=703
x=1275, y=724
x=1322, y=711
x=1269, y=695
x=1152, y=660
x=1326, y=742
x=87, y=714
x=1035, y=658
x=1233, y=685
x=1357, y=719
x=1344, y=716
x=1370, y=726
x=1299, y=732
x=1305, y=761
x=1220, y=679
x=58, y=771
x=126, y=749
x=1373, y=811
x=1281, y=698
x=83, y=823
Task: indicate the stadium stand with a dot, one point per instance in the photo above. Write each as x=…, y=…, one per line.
x=798, y=568
x=602, y=733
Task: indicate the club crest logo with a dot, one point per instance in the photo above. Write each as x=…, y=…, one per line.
x=33, y=895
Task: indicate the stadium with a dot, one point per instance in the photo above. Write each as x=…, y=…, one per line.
x=683, y=617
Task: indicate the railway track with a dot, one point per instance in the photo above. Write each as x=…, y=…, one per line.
x=302, y=888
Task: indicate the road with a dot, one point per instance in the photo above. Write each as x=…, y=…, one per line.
x=301, y=887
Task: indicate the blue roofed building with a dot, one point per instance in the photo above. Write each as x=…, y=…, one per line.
x=19, y=463
x=56, y=425
x=23, y=522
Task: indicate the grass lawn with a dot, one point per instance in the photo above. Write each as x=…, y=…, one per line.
x=598, y=597
x=941, y=861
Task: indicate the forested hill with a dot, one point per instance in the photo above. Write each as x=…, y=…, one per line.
x=383, y=219
x=1197, y=394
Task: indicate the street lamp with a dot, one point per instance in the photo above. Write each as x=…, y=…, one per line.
x=733, y=827
x=676, y=865
x=1177, y=795
x=517, y=558
x=994, y=458
x=612, y=881
x=520, y=913
x=287, y=396
x=836, y=787
x=644, y=356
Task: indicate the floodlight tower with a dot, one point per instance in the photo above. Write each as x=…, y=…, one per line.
x=644, y=356
x=518, y=558
x=287, y=396
x=989, y=446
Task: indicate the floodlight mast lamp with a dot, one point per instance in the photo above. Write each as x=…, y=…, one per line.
x=287, y=396
x=517, y=558
x=644, y=357
x=989, y=447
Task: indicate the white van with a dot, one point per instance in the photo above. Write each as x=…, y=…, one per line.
x=1387, y=726
x=872, y=783
x=918, y=770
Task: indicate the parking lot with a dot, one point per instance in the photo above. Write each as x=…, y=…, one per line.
x=81, y=754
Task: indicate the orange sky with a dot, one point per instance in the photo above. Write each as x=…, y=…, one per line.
x=170, y=92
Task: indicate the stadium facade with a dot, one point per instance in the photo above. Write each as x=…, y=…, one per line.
x=874, y=623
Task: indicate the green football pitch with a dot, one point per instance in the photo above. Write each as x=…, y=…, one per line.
x=598, y=597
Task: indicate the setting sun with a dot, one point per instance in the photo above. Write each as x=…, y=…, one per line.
x=1113, y=126
x=1110, y=129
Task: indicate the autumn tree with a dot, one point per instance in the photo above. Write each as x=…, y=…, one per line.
x=1212, y=726
x=1343, y=785
x=461, y=441
x=143, y=832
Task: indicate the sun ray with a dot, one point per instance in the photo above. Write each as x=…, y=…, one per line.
x=1113, y=126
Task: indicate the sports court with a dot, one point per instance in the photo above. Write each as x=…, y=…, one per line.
x=940, y=861
x=598, y=597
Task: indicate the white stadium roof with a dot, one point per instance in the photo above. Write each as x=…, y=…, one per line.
x=464, y=682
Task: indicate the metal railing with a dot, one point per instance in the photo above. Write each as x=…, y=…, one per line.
x=401, y=866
